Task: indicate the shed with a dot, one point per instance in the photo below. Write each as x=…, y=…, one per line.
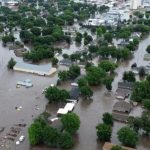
x=108, y=146
x=122, y=106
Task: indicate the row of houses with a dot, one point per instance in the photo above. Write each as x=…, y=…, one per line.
x=122, y=107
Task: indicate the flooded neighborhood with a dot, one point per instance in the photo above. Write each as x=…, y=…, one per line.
x=43, y=68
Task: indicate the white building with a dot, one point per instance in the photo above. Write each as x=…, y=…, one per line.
x=44, y=70
x=134, y=4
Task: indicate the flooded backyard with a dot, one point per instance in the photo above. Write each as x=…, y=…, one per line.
x=33, y=103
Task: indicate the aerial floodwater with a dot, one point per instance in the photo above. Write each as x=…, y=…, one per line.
x=97, y=39
x=22, y=105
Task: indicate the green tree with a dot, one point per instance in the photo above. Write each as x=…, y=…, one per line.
x=36, y=131
x=146, y=123
x=78, y=37
x=66, y=140
x=82, y=82
x=107, y=65
x=108, y=37
x=104, y=132
x=86, y=92
x=108, y=119
x=135, y=123
x=11, y=63
x=51, y=136
x=148, y=49
x=95, y=75
x=63, y=75
x=129, y=76
x=146, y=104
x=54, y=61
x=53, y=94
x=142, y=72
x=125, y=134
x=117, y=147
x=99, y=32
x=36, y=31
x=108, y=82
x=74, y=71
x=71, y=122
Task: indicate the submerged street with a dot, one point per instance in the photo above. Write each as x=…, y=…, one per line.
x=33, y=102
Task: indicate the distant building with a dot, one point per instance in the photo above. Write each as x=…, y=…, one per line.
x=134, y=4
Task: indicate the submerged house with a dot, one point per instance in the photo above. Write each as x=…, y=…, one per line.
x=66, y=62
x=125, y=85
x=121, y=111
x=74, y=93
x=122, y=94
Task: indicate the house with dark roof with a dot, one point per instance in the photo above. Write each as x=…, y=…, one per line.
x=125, y=85
x=75, y=82
x=74, y=93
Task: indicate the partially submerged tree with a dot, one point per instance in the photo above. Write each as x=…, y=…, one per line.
x=108, y=119
x=125, y=134
x=71, y=122
x=11, y=63
x=104, y=132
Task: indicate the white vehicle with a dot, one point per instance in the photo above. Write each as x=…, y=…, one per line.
x=22, y=137
x=17, y=142
x=27, y=83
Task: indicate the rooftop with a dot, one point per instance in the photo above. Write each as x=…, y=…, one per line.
x=108, y=146
x=122, y=106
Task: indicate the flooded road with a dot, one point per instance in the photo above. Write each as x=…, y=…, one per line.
x=33, y=103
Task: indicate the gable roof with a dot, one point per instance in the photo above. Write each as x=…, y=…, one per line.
x=125, y=85
x=122, y=106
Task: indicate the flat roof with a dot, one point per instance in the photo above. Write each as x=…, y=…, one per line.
x=62, y=111
x=69, y=106
x=40, y=68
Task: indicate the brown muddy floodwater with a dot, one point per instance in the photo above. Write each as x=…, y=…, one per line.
x=33, y=103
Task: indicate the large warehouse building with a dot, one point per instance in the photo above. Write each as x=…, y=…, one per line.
x=44, y=70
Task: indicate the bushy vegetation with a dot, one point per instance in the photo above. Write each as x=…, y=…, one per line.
x=41, y=132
